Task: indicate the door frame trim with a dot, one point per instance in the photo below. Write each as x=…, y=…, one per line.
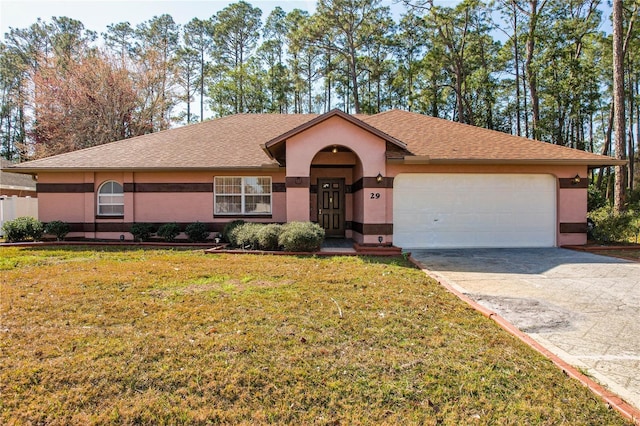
x=343, y=209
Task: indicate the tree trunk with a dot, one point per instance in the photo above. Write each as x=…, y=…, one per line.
x=524, y=104
x=619, y=107
x=607, y=144
x=637, y=120
x=309, y=84
x=201, y=85
x=530, y=72
x=517, y=68
x=631, y=144
x=354, y=84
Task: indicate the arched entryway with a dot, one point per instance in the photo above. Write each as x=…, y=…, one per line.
x=333, y=171
x=335, y=175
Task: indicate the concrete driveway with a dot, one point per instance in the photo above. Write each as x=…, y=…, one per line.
x=582, y=307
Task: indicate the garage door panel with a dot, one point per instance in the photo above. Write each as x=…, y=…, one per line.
x=474, y=210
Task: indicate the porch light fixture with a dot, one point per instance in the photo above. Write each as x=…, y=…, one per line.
x=335, y=149
x=380, y=239
x=379, y=177
x=576, y=180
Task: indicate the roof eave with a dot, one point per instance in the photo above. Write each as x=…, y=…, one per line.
x=33, y=171
x=591, y=163
x=26, y=171
x=266, y=151
x=18, y=187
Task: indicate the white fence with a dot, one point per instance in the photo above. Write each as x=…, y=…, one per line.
x=13, y=207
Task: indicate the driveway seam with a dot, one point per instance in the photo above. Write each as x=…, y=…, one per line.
x=610, y=398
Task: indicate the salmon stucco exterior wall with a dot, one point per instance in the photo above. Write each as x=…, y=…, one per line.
x=371, y=205
x=360, y=154
x=344, y=172
x=149, y=197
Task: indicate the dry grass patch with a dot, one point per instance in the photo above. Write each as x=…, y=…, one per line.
x=625, y=254
x=178, y=337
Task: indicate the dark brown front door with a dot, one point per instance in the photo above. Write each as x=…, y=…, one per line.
x=331, y=206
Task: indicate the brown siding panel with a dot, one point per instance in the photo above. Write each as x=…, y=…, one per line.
x=573, y=228
x=371, y=182
x=278, y=187
x=372, y=228
x=126, y=227
x=298, y=182
x=64, y=187
x=112, y=227
x=173, y=187
x=568, y=183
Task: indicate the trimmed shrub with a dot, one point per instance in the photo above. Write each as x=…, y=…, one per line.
x=197, y=232
x=610, y=225
x=268, y=236
x=301, y=236
x=58, y=228
x=141, y=231
x=228, y=232
x=246, y=235
x=169, y=231
x=23, y=229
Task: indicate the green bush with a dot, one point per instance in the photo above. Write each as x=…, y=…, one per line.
x=58, y=228
x=197, y=232
x=635, y=224
x=634, y=197
x=301, y=236
x=611, y=226
x=268, y=236
x=169, y=231
x=23, y=229
x=595, y=198
x=228, y=232
x=141, y=231
x=246, y=235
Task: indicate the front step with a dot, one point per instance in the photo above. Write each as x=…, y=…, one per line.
x=377, y=249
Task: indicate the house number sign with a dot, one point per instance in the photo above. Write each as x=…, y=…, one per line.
x=375, y=195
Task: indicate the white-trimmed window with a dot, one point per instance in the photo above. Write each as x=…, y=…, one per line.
x=248, y=195
x=110, y=199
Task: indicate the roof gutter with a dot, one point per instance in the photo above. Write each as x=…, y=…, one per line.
x=266, y=151
x=35, y=171
x=408, y=160
x=19, y=188
x=591, y=163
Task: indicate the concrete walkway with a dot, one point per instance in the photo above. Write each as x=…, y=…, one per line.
x=582, y=307
x=338, y=246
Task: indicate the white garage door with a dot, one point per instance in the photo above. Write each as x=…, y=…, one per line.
x=473, y=210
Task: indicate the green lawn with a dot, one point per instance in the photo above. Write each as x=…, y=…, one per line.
x=133, y=336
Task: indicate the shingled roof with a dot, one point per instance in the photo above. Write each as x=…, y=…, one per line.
x=436, y=140
x=12, y=181
x=237, y=141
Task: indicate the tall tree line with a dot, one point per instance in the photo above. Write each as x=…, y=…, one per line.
x=535, y=68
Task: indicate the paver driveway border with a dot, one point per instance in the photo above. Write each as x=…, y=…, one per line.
x=510, y=286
